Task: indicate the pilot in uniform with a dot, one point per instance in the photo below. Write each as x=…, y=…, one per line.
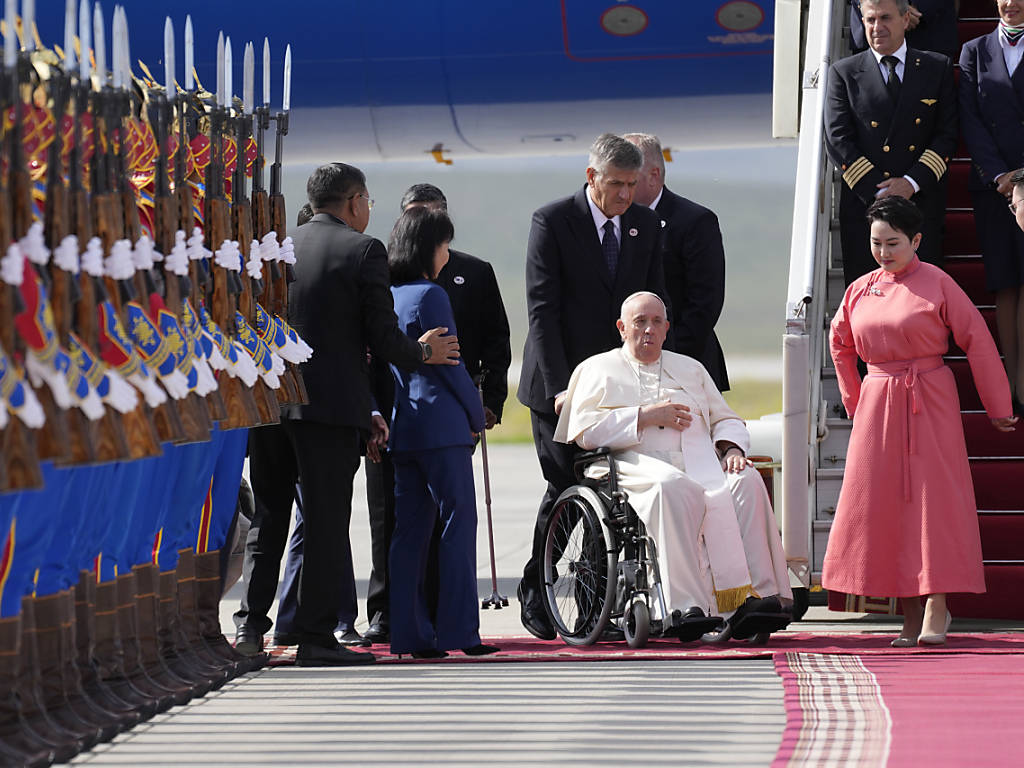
x=877, y=130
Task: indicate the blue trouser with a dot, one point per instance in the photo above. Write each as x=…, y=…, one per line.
x=429, y=485
x=193, y=485
x=59, y=568
x=227, y=478
x=37, y=516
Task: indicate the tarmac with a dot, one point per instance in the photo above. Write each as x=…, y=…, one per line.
x=700, y=712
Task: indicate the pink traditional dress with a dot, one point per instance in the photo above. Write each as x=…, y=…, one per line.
x=906, y=523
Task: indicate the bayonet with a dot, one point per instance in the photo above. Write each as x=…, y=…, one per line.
x=189, y=56
x=85, y=40
x=248, y=78
x=287, y=99
x=28, y=24
x=266, y=72
x=169, y=59
x=99, y=43
x=69, y=37
x=229, y=92
x=219, y=96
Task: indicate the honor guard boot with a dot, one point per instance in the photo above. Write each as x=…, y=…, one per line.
x=208, y=593
x=188, y=611
x=17, y=746
x=110, y=656
x=174, y=647
x=65, y=744
x=81, y=633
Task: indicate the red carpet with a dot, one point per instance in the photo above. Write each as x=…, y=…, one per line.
x=531, y=649
x=962, y=709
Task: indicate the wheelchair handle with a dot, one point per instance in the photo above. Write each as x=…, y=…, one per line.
x=585, y=459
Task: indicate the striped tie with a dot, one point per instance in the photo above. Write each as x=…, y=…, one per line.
x=610, y=247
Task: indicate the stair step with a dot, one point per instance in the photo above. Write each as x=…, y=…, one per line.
x=976, y=27
x=969, y=273
x=1002, y=535
x=985, y=440
x=998, y=483
x=968, y=393
x=959, y=237
x=957, y=195
x=1004, y=584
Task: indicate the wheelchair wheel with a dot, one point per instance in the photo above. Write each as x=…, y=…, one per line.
x=579, y=566
x=636, y=624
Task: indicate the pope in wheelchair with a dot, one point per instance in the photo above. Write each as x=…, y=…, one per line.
x=670, y=530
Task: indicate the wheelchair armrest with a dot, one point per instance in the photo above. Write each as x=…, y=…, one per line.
x=585, y=459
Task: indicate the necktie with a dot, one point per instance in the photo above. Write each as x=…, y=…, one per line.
x=1010, y=33
x=610, y=247
x=892, y=83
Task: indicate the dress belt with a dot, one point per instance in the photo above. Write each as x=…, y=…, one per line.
x=909, y=370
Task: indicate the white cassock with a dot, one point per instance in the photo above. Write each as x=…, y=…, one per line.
x=715, y=531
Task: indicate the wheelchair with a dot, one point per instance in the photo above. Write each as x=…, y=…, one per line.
x=601, y=566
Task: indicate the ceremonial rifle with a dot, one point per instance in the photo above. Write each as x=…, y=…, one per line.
x=19, y=456
x=242, y=405
x=53, y=436
x=108, y=216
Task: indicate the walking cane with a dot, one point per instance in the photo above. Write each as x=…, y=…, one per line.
x=495, y=599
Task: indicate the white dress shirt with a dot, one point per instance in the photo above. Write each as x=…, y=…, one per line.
x=901, y=57
x=600, y=219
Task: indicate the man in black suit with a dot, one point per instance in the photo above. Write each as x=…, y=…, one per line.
x=585, y=255
x=483, y=330
x=931, y=26
x=891, y=126
x=340, y=303
x=693, y=256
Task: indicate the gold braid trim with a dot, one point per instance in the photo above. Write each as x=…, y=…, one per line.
x=934, y=162
x=731, y=599
x=860, y=168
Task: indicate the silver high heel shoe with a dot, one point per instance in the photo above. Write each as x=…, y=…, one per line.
x=904, y=642
x=936, y=639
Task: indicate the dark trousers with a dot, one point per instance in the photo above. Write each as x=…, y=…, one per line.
x=380, y=501
x=556, y=466
x=324, y=459
x=432, y=486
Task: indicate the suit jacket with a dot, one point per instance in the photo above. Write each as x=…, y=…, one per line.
x=936, y=32
x=991, y=110
x=483, y=324
x=694, y=261
x=436, y=406
x=340, y=304
x=571, y=299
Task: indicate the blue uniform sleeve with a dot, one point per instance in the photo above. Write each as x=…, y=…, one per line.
x=436, y=310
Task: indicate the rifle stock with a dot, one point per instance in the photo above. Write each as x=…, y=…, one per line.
x=277, y=219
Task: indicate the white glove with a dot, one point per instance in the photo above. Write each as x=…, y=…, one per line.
x=207, y=382
x=121, y=396
x=155, y=396
x=31, y=412
x=91, y=405
x=216, y=359
x=38, y=373
x=176, y=384
x=244, y=367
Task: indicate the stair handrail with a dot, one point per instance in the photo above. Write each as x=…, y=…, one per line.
x=803, y=340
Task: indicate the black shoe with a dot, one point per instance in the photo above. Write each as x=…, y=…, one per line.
x=248, y=641
x=429, y=653
x=378, y=632
x=351, y=638
x=534, y=618
x=480, y=649
x=313, y=655
x=287, y=638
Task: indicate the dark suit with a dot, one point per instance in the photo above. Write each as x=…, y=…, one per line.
x=484, y=344
x=992, y=119
x=871, y=140
x=340, y=304
x=937, y=30
x=573, y=303
x=694, y=260
x=437, y=408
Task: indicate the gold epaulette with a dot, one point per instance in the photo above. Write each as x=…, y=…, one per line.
x=934, y=162
x=858, y=169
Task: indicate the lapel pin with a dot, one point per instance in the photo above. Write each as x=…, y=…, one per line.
x=633, y=232
x=458, y=280
x=663, y=222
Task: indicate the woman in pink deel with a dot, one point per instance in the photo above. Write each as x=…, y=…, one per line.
x=906, y=525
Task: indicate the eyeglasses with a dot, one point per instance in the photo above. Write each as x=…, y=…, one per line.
x=1013, y=206
x=369, y=200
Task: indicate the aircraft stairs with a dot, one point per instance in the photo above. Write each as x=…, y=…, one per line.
x=996, y=458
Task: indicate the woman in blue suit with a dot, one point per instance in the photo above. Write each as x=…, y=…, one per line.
x=991, y=115
x=436, y=416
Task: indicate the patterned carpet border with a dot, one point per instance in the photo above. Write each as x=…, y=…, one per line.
x=529, y=649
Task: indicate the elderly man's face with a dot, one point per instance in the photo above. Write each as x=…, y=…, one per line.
x=643, y=328
x=884, y=25
x=612, y=189
x=1017, y=202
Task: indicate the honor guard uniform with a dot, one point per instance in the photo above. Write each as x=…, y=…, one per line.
x=877, y=128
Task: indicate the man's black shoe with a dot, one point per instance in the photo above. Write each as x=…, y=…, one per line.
x=377, y=632
x=287, y=638
x=534, y=618
x=352, y=638
x=248, y=641
x=312, y=655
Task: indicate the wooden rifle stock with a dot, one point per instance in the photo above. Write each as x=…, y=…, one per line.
x=277, y=219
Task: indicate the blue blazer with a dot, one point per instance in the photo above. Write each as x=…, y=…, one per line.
x=436, y=406
x=991, y=110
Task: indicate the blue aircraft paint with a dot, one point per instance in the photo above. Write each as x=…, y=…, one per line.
x=348, y=53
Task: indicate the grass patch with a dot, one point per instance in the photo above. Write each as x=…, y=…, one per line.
x=750, y=398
